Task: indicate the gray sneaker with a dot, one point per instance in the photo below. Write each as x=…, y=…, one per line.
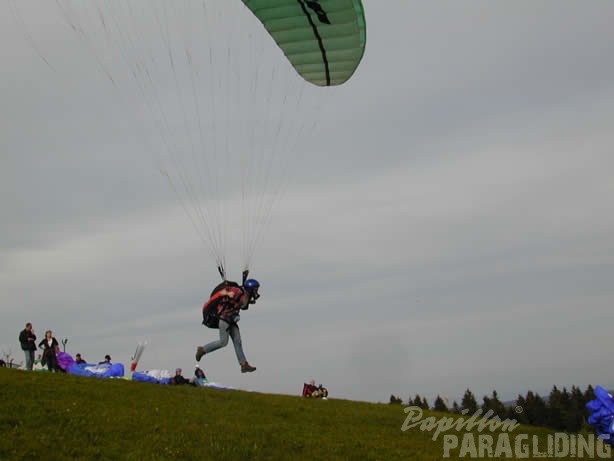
x=200, y=351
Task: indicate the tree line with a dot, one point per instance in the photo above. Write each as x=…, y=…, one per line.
x=563, y=410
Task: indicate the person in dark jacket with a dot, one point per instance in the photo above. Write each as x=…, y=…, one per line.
x=27, y=338
x=179, y=378
x=50, y=347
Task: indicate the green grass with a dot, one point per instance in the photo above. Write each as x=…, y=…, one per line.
x=60, y=417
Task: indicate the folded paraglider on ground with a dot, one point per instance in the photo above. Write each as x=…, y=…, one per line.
x=102, y=370
x=116, y=370
x=601, y=416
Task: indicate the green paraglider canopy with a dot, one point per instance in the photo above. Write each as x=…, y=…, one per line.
x=221, y=111
x=323, y=39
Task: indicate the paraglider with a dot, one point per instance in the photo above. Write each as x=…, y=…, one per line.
x=221, y=110
x=222, y=311
x=224, y=110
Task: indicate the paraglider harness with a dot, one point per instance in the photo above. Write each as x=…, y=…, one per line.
x=211, y=309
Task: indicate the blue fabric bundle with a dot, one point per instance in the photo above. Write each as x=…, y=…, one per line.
x=602, y=414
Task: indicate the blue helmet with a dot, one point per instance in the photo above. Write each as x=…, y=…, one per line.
x=251, y=284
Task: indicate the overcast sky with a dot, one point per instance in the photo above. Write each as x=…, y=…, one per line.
x=446, y=225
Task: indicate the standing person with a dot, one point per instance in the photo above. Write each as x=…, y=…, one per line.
x=226, y=304
x=27, y=338
x=50, y=347
x=79, y=360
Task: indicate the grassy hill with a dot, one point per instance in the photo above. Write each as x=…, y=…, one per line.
x=61, y=417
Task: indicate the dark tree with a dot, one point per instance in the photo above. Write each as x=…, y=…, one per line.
x=425, y=404
x=518, y=411
x=495, y=405
x=440, y=405
x=455, y=408
x=576, y=413
x=419, y=402
x=556, y=410
x=589, y=394
x=535, y=409
x=469, y=402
